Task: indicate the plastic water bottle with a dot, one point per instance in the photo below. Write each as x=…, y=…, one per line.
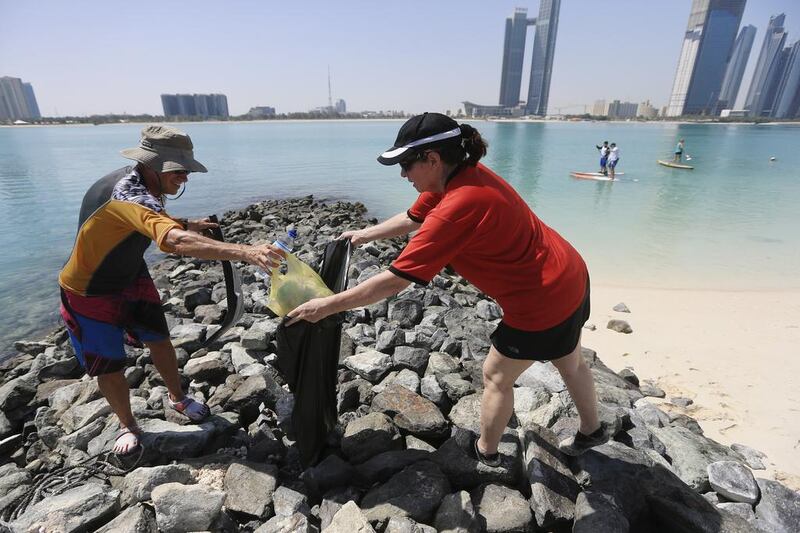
x=285, y=243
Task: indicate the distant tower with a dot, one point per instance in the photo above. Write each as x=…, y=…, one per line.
x=330, y=98
x=767, y=72
x=513, y=56
x=544, y=48
x=706, y=50
x=733, y=75
x=787, y=97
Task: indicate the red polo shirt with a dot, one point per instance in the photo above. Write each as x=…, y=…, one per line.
x=489, y=235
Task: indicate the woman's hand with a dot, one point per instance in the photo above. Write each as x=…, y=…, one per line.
x=357, y=236
x=312, y=311
x=201, y=224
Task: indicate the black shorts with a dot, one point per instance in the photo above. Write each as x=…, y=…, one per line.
x=545, y=345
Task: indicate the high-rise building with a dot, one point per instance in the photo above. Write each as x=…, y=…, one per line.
x=195, y=105
x=513, y=56
x=17, y=100
x=767, y=68
x=340, y=106
x=787, y=95
x=600, y=108
x=733, y=74
x=544, y=48
x=617, y=109
x=646, y=110
x=706, y=50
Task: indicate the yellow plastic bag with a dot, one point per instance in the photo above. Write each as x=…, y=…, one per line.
x=297, y=286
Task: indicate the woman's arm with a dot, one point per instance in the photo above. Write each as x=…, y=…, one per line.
x=373, y=290
x=398, y=225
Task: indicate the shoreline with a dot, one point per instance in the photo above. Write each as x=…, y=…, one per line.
x=709, y=345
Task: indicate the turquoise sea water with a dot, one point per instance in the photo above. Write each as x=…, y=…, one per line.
x=732, y=223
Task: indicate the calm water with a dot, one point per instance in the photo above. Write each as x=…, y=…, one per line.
x=731, y=223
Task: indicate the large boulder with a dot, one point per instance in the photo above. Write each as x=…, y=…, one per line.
x=779, y=507
x=369, y=436
x=502, y=509
x=415, y=492
x=411, y=412
x=181, y=508
x=734, y=481
x=250, y=487
x=80, y=509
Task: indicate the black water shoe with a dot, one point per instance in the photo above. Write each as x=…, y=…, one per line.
x=490, y=460
x=580, y=443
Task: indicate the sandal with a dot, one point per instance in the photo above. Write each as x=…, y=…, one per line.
x=193, y=409
x=127, y=440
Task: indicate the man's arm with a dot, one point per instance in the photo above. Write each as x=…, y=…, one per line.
x=373, y=290
x=193, y=244
x=398, y=225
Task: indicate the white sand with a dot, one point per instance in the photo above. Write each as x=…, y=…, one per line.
x=735, y=353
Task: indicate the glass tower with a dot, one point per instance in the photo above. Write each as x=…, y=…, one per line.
x=513, y=56
x=767, y=68
x=787, y=98
x=544, y=47
x=733, y=74
x=705, y=53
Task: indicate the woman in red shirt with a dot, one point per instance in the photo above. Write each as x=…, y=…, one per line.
x=468, y=217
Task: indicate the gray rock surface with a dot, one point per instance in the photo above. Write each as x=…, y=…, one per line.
x=734, y=481
x=249, y=488
x=79, y=509
x=180, y=508
x=415, y=492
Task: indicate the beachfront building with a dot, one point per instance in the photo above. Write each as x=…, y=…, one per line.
x=707, y=47
x=766, y=75
x=544, y=48
x=617, y=109
x=340, y=106
x=646, y=110
x=600, y=108
x=513, y=56
x=787, y=95
x=195, y=105
x=261, y=112
x=732, y=81
x=17, y=100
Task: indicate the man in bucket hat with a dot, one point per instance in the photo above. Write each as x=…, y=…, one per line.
x=107, y=295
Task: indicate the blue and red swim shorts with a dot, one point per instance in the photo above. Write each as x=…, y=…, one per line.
x=100, y=326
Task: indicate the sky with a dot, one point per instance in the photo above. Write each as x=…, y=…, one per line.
x=97, y=57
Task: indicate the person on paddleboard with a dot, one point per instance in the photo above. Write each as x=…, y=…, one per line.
x=613, y=159
x=604, y=149
x=678, y=152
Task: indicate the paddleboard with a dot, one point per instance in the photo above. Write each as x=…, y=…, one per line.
x=674, y=165
x=594, y=176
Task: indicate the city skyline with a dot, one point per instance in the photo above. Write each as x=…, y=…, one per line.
x=250, y=55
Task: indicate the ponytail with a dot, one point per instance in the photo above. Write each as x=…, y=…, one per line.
x=469, y=151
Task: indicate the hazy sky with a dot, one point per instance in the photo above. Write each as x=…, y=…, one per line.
x=111, y=56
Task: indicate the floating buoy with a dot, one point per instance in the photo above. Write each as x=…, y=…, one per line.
x=772, y=158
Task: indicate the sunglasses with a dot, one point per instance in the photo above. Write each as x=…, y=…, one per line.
x=408, y=163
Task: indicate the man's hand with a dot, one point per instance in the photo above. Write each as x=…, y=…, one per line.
x=265, y=256
x=312, y=311
x=200, y=224
x=357, y=236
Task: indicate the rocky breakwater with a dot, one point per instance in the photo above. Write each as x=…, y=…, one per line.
x=409, y=389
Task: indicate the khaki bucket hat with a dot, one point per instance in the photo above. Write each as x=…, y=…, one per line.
x=165, y=149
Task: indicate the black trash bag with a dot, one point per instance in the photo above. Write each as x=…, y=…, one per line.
x=308, y=358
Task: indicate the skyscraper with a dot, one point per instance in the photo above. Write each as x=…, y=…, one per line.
x=17, y=100
x=544, y=47
x=195, y=105
x=513, y=56
x=787, y=95
x=767, y=68
x=733, y=74
x=706, y=50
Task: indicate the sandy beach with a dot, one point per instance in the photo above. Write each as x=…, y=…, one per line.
x=734, y=353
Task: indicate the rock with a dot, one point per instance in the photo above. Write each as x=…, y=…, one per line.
x=17, y=392
x=691, y=454
x=621, y=308
x=742, y=510
x=209, y=367
x=648, y=388
x=430, y=389
x=181, y=508
x=440, y=363
x=553, y=486
x=415, y=492
x=596, y=512
x=455, y=458
x=289, y=502
x=405, y=312
x=208, y=314
x=628, y=375
x=466, y=413
x=11, y=477
x=413, y=443
x=542, y=373
x=194, y=297
x=349, y=519
x=255, y=390
x=330, y=473
x=297, y=523
x=488, y=310
x=371, y=365
x=455, y=386
x=456, y=514
x=369, y=436
x=188, y=336
x=652, y=415
x=681, y=402
x=249, y=488
x=138, y=485
x=733, y=481
x=136, y=519
x=779, y=508
x=259, y=335
x=389, y=339
x=527, y=401
x=166, y=440
x=406, y=525
x=620, y=326
x=502, y=508
x=411, y=412
x=80, y=509
x=415, y=359
x=754, y=458
x=81, y=415
x=386, y=464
